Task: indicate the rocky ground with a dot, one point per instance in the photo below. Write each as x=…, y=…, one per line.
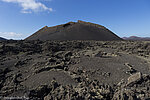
x=75, y=70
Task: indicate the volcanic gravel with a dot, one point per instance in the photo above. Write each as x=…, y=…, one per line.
x=74, y=70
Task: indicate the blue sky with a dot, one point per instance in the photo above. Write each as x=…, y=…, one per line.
x=21, y=18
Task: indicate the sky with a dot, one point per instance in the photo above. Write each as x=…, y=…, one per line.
x=21, y=18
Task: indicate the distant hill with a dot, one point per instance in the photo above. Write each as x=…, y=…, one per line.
x=1, y=39
x=75, y=31
x=137, y=38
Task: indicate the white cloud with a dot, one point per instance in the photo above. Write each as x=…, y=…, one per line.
x=29, y=6
x=11, y=35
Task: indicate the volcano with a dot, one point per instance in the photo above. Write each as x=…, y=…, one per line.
x=75, y=31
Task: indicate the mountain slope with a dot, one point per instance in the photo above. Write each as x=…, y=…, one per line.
x=1, y=39
x=74, y=31
x=137, y=38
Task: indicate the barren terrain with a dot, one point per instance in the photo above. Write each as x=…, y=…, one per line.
x=75, y=70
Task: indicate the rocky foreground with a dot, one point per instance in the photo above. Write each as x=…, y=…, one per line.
x=75, y=70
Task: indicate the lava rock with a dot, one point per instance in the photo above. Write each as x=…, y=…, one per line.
x=134, y=78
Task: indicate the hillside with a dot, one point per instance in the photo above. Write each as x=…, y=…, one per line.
x=2, y=38
x=74, y=31
x=137, y=38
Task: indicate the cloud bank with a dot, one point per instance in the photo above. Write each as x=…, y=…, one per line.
x=29, y=6
x=11, y=35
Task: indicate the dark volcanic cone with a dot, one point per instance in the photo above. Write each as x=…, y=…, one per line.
x=75, y=31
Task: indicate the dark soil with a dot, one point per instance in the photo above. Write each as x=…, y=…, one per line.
x=75, y=70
